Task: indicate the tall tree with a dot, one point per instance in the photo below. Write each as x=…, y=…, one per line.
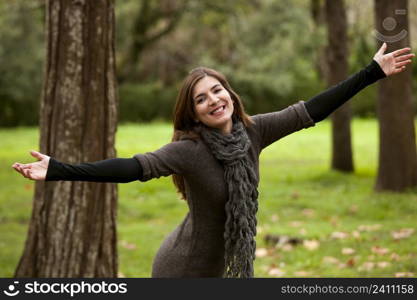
x=337, y=70
x=319, y=19
x=397, y=169
x=72, y=232
x=154, y=20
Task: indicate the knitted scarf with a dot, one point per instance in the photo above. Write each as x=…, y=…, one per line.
x=242, y=204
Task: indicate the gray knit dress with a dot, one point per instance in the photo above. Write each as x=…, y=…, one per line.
x=196, y=247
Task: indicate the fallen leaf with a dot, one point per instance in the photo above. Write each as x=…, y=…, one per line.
x=342, y=266
x=379, y=250
x=311, y=244
x=383, y=264
x=351, y=262
x=348, y=251
x=276, y=272
x=373, y=227
x=308, y=212
x=295, y=195
x=395, y=257
x=296, y=223
x=259, y=229
x=302, y=273
x=367, y=266
x=330, y=260
x=356, y=234
x=261, y=252
x=334, y=221
x=287, y=247
x=28, y=187
x=353, y=209
x=404, y=274
x=127, y=245
x=120, y=275
x=302, y=231
x=402, y=233
x=339, y=235
x=274, y=218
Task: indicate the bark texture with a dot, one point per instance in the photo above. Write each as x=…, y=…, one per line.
x=397, y=169
x=72, y=232
x=337, y=66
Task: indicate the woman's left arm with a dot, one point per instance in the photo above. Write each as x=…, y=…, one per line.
x=382, y=65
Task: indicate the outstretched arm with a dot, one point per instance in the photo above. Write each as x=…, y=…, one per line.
x=109, y=170
x=382, y=65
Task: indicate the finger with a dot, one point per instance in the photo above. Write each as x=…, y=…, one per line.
x=382, y=49
x=401, y=51
x=404, y=57
x=17, y=170
x=403, y=63
x=399, y=70
x=37, y=155
x=27, y=173
x=26, y=166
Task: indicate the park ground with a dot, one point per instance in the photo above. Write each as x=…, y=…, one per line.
x=341, y=227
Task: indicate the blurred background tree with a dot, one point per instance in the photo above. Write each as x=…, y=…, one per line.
x=269, y=50
x=22, y=54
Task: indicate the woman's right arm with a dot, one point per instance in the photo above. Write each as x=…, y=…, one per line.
x=119, y=170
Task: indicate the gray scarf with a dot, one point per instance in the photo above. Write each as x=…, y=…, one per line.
x=242, y=204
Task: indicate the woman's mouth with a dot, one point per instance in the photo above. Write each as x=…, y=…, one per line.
x=218, y=111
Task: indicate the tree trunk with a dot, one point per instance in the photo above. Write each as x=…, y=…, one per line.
x=72, y=232
x=337, y=55
x=319, y=19
x=397, y=146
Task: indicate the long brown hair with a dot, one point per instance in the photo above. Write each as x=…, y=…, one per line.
x=184, y=114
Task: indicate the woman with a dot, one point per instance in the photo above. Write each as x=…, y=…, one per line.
x=214, y=162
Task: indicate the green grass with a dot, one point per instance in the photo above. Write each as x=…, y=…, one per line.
x=299, y=197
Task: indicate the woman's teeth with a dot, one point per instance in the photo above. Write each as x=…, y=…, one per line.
x=221, y=108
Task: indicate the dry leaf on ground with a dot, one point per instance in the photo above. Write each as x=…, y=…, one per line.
x=348, y=251
x=339, y=235
x=395, y=257
x=276, y=272
x=367, y=266
x=296, y=224
x=379, y=250
x=402, y=233
x=356, y=234
x=373, y=227
x=311, y=244
x=127, y=245
x=308, y=212
x=274, y=218
x=330, y=260
x=404, y=274
x=261, y=252
x=302, y=273
x=383, y=264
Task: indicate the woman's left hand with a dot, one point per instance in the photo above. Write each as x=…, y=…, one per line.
x=394, y=62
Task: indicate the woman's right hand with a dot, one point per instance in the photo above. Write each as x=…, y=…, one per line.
x=36, y=170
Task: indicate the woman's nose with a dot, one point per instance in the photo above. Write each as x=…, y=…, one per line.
x=213, y=99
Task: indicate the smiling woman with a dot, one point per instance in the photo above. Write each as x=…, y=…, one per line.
x=213, y=104
x=214, y=160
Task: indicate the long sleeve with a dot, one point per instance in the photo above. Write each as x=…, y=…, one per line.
x=273, y=126
x=322, y=105
x=174, y=158
x=109, y=170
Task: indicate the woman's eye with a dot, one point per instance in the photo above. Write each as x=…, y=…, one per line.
x=199, y=100
x=217, y=91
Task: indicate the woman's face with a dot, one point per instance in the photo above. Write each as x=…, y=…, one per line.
x=212, y=104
